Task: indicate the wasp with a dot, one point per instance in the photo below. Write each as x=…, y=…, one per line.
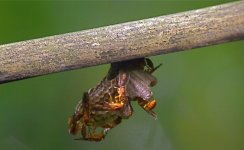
x=104, y=106
x=141, y=80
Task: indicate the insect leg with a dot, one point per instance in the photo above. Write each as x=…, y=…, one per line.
x=150, y=67
x=148, y=106
x=149, y=63
x=83, y=133
x=154, y=69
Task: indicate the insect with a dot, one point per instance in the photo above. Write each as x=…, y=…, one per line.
x=141, y=79
x=104, y=106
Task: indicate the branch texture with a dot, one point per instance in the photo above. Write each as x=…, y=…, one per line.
x=154, y=36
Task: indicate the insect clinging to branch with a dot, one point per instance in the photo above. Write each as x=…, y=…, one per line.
x=105, y=105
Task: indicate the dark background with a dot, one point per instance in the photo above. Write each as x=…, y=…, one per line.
x=200, y=92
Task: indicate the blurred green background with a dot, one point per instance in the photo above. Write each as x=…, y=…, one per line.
x=200, y=92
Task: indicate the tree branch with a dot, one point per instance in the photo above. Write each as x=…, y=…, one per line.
x=154, y=36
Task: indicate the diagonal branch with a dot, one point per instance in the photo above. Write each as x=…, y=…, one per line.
x=154, y=36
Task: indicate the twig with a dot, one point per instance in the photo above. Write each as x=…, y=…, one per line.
x=154, y=36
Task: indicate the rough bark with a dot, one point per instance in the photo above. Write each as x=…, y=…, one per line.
x=154, y=36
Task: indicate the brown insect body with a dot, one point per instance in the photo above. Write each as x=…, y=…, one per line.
x=97, y=109
x=140, y=82
x=109, y=102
